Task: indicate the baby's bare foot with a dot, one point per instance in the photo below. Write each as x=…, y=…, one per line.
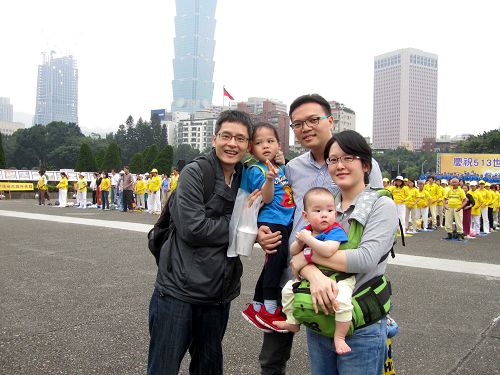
x=341, y=346
x=287, y=326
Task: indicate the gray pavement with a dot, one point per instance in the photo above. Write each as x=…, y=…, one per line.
x=74, y=300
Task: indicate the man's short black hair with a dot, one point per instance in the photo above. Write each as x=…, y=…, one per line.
x=310, y=98
x=234, y=116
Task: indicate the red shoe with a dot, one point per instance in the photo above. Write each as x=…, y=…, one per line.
x=267, y=319
x=249, y=314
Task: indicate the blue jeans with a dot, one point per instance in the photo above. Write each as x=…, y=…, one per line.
x=367, y=356
x=105, y=199
x=176, y=326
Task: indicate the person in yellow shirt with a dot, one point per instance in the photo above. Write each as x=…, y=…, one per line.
x=476, y=209
x=63, y=190
x=42, y=187
x=496, y=210
x=105, y=188
x=433, y=191
x=154, y=185
x=439, y=204
x=491, y=205
x=411, y=208
x=81, y=195
x=399, y=193
x=486, y=196
x=422, y=198
x=140, y=189
x=174, y=177
x=454, y=202
x=387, y=183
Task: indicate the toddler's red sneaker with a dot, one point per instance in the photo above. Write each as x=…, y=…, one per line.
x=249, y=314
x=267, y=319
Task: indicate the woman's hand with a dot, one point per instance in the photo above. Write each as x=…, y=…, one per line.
x=268, y=239
x=324, y=290
x=298, y=262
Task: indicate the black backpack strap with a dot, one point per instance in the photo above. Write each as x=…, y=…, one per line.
x=208, y=175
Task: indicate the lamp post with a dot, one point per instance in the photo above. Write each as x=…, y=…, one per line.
x=422, y=170
x=398, y=167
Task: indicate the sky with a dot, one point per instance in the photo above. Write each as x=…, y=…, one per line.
x=266, y=48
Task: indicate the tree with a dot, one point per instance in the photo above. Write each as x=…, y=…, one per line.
x=164, y=160
x=3, y=164
x=136, y=164
x=185, y=152
x=112, y=159
x=149, y=155
x=85, y=160
x=99, y=157
x=487, y=143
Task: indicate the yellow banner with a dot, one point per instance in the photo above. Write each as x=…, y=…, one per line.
x=16, y=186
x=470, y=163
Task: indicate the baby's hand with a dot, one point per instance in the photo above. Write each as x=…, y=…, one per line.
x=271, y=171
x=303, y=235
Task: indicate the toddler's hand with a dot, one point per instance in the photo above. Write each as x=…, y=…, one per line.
x=279, y=158
x=271, y=171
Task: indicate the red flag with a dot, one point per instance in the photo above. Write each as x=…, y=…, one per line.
x=228, y=94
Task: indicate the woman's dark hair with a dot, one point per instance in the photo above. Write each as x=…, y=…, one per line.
x=310, y=98
x=352, y=143
x=234, y=116
x=266, y=125
x=64, y=174
x=105, y=174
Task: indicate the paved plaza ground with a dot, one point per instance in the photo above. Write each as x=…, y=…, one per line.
x=74, y=298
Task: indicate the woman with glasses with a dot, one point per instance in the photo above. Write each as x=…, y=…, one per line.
x=349, y=160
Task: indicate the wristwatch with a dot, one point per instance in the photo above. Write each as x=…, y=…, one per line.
x=308, y=254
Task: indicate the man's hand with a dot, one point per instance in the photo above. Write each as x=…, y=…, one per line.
x=279, y=158
x=253, y=196
x=268, y=239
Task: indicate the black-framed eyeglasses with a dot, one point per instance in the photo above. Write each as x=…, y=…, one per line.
x=226, y=137
x=344, y=159
x=311, y=122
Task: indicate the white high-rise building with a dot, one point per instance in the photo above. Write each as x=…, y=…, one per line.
x=57, y=90
x=6, y=110
x=404, y=98
x=344, y=117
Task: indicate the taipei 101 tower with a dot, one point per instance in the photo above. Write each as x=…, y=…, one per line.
x=194, y=45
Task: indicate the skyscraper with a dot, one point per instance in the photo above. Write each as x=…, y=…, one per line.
x=57, y=90
x=404, y=98
x=194, y=46
x=6, y=109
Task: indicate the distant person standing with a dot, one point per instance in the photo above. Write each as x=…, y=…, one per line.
x=105, y=187
x=454, y=202
x=81, y=195
x=63, y=190
x=42, y=187
x=115, y=179
x=128, y=189
x=154, y=191
x=165, y=189
x=140, y=188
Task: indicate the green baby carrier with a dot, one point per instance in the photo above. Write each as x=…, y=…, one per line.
x=372, y=300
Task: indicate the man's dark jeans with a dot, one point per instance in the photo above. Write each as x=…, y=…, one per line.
x=128, y=197
x=176, y=326
x=275, y=352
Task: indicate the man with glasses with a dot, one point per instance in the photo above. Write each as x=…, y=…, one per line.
x=312, y=124
x=196, y=281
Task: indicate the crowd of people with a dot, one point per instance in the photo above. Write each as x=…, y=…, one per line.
x=116, y=190
x=466, y=208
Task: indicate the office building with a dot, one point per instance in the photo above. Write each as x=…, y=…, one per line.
x=344, y=118
x=6, y=110
x=57, y=90
x=10, y=127
x=196, y=131
x=404, y=99
x=194, y=47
